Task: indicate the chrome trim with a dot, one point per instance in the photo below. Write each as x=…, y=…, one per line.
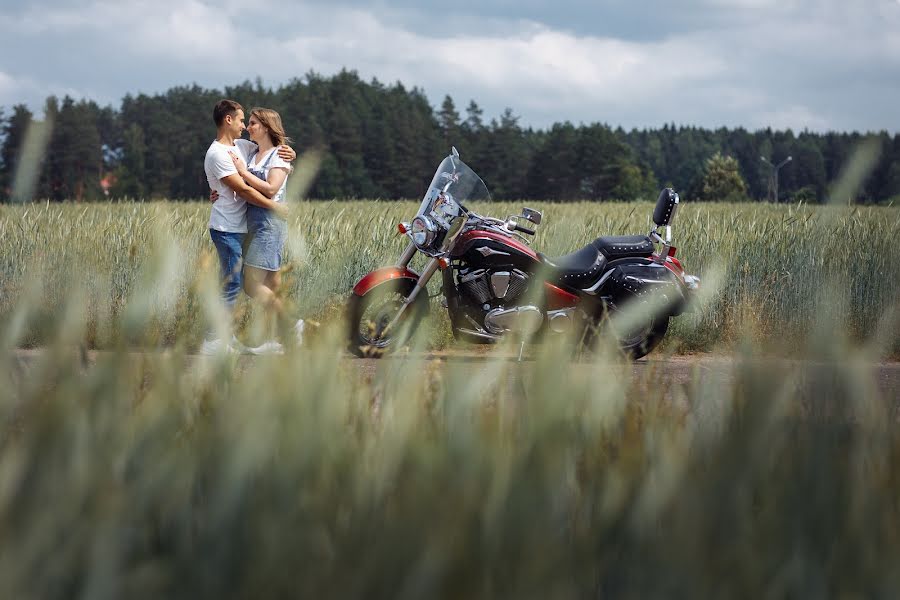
x=594, y=288
x=535, y=216
x=480, y=334
x=473, y=275
x=500, y=283
x=563, y=317
x=426, y=275
x=485, y=252
x=521, y=319
x=430, y=268
x=407, y=255
x=425, y=227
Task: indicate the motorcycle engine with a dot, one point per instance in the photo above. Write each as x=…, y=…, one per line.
x=489, y=288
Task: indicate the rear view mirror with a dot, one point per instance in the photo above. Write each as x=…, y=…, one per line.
x=532, y=215
x=664, y=213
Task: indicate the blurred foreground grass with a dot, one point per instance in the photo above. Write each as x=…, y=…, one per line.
x=161, y=474
x=149, y=473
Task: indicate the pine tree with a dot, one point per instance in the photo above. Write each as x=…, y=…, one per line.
x=506, y=158
x=132, y=171
x=722, y=180
x=13, y=132
x=3, y=173
x=384, y=141
x=50, y=181
x=474, y=122
x=75, y=156
x=448, y=119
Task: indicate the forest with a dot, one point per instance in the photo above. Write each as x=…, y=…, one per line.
x=384, y=141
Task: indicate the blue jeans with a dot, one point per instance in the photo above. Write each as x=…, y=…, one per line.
x=229, y=247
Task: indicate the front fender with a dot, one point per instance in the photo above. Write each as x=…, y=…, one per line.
x=379, y=276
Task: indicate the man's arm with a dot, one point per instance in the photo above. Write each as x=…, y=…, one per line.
x=286, y=153
x=242, y=189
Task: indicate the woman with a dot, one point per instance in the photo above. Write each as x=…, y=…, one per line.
x=266, y=172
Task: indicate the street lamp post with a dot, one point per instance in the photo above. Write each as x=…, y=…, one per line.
x=775, y=169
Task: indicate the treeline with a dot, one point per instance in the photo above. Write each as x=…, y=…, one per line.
x=384, y=141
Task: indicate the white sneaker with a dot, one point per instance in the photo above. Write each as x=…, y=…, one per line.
x=270, y=347
x=236, y=347
x=216, y=346
x=299, y=326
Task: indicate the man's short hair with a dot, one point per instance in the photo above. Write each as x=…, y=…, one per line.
x=223, y=109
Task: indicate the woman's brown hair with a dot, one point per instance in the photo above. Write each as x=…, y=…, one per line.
x=271, y=120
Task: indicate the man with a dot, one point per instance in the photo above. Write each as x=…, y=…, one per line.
x=228, y=219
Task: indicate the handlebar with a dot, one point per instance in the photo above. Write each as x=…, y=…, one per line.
x=518, y=227
x=509, y=226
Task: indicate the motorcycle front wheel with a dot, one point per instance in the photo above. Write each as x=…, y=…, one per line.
x=369, y=316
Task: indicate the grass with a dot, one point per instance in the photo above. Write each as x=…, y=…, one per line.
x=775, y=261
x=144, y=471
x=162, y=474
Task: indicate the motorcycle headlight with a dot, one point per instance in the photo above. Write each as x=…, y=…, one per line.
x=423, y=231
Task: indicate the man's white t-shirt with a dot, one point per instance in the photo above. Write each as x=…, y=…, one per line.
x=275, y=162
x=229, y=212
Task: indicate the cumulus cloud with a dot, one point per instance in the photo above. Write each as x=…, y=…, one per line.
x=17, y=90
x=784, y=63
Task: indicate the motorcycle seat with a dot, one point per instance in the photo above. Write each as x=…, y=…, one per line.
x=623, y=246
x=579, y=269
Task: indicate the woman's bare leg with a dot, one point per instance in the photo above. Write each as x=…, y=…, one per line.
x=273, y=280
x=256, y=284
x=290, y=327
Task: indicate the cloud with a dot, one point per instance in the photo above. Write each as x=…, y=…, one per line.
x=184, y=31
x=7, y=84
x=796, y=63
x=536, y=68
x=16, y=90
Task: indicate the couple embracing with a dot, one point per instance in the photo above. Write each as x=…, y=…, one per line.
x=248, y=181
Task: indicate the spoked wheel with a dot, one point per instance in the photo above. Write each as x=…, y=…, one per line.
x=371, y=315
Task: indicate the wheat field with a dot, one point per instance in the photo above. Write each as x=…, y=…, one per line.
x=770, y=264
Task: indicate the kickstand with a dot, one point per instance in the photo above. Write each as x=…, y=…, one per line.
x=521, y=349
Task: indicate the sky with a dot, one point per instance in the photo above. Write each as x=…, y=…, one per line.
x=822, y=65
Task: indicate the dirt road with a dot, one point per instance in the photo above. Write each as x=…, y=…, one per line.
x=666, y=375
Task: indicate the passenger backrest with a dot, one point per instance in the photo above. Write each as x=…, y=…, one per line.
x=665, y=207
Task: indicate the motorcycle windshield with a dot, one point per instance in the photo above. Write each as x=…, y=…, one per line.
x=454, y=183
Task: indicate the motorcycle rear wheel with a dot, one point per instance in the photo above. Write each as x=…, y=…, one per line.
x=635, y=344
x=642, y=343
x=370, y=314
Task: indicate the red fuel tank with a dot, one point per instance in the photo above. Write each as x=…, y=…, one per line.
x=491, y=249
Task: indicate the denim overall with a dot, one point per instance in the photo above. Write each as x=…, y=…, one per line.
x=258, y=216
x=265, y=228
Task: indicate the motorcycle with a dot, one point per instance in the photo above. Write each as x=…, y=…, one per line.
x=495, y=285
